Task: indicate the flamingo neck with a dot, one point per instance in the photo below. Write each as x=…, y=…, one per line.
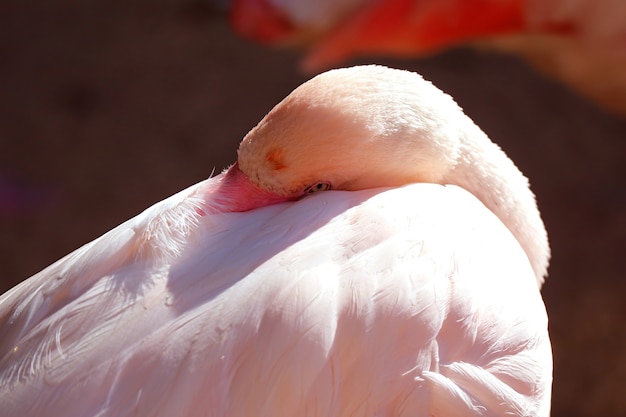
x=486, y=172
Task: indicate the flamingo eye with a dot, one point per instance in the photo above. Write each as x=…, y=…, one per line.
x=320, y=186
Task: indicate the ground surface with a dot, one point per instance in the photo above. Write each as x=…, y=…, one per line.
x=106, y=108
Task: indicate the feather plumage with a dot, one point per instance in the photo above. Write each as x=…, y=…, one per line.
x=415, y=300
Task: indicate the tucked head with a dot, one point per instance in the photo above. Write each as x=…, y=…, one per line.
x=353, y=128
x=372, y=126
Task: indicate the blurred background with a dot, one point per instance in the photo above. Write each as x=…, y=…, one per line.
x=108, y=107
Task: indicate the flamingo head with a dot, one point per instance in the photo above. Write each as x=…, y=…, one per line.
x=350, y=129
x=371, y=126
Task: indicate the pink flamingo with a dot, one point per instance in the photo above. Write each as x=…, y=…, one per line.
x=409, y=287
x=580, y=42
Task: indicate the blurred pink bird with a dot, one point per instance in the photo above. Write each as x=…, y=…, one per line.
x=409, y=287
x=580, y=42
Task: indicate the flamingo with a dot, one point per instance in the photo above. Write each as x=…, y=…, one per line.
x=580, y=42
x=370, y=253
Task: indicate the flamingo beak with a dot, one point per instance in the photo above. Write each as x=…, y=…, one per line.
x=232, y=191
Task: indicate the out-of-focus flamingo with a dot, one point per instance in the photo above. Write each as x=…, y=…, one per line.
x=410, y=288
x=580, y=42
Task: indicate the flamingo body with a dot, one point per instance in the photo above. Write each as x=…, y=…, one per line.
x=414, y=300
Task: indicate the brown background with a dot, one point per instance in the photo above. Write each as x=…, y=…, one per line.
x=107, y=108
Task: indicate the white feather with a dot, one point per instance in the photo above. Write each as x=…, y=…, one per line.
x=294, y=309
x=414, y=301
